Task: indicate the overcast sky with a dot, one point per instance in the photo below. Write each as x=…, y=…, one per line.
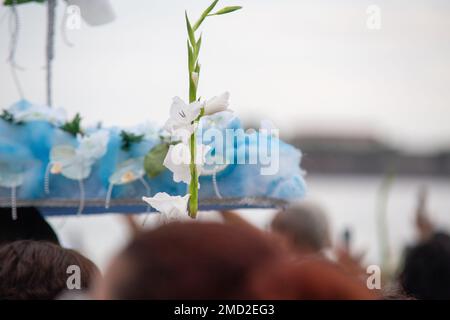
x=307, y=65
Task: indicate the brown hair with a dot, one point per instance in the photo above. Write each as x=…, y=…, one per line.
x=192, y=261
x=38, y=270
x=308, y=279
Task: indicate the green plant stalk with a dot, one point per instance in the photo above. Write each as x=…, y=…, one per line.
x=193, y=51
x=193, y=186
x=193, y=66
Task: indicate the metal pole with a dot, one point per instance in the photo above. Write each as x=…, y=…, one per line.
x=51, y=6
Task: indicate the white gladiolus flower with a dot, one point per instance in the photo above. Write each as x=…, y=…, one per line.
x=178, y=160
x=168, y=204
x=183, y=134
x=217, y=104
x=182, y=115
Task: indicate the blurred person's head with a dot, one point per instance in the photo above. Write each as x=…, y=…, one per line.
x=426, y=269
x=394, y=293
x=188, y=261
x=305, y=227
x=39, y=270
x=308, y=279
x=29, y=225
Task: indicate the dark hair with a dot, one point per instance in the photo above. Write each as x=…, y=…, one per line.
x=38, y=270
x=426, y=269
x=192, y=261
x=30, y=225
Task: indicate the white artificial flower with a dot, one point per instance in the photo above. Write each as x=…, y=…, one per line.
x=147, y=129
x=93, y=146
x=168, y=204
x=217, y=104
x=182, y=115
x=76, y=163
x=94, y=13
x=30, y=112
x=67, y=161
x=178, y=160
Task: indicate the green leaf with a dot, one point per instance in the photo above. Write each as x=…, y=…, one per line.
x=192, y=86
x=191, y=61
x=226, y=10
x=154, y=159
x=73, y=127
x=190, y=31
x=10, y=2
x=7, y=116
x=197, y=47
x=197, y=68
x=205, y=14
x=129, y=138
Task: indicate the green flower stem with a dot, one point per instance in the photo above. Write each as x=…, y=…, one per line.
x=193, y=52
x=193, y=186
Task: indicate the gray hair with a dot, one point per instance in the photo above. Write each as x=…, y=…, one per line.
x=306, y=224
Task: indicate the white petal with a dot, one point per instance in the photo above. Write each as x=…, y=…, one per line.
x=182, y=114
x=177, y=105
x=168, y=204
x=94, y=145
x=31, y=112
x=193, y=110
x=169, y=126
x=177, y=160
x=184, y=133
x=217, y=104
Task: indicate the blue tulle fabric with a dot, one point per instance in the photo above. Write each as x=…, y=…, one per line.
x=25, y=152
